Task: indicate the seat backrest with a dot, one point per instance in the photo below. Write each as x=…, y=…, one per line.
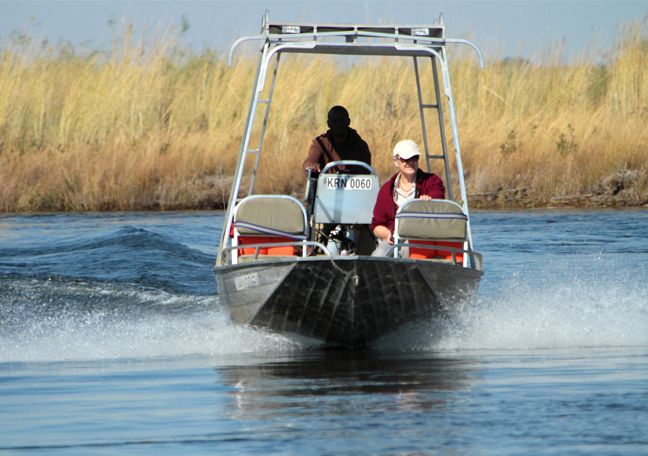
x=434, y=219
x=439, y=223
x=267, y=219
x=274, y=215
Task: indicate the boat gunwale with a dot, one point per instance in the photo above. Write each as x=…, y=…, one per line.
x=296, y=259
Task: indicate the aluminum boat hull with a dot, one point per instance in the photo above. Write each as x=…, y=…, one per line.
x=342, y=301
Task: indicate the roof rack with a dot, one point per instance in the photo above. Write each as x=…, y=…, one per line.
x=354, y=39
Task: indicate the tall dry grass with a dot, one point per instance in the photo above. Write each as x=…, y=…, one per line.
x=148, y=124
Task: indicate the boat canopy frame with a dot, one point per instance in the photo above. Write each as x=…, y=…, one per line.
x=413, y=41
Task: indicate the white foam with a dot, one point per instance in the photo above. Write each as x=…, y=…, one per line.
x=548, y=315
x=92, y=338
x=551, y=313
x=123, y=322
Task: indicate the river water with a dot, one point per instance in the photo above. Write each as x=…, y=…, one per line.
x=112, y=341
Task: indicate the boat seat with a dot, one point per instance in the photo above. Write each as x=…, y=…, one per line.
x=434, y=223
x=268, y=219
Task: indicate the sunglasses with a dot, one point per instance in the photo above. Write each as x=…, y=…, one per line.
x=405, y=160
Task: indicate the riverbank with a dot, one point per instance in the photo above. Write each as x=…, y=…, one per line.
x=148, y=125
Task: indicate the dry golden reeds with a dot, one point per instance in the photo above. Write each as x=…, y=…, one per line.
x=150, y=125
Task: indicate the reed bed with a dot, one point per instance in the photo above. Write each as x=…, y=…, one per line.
x=149, y=125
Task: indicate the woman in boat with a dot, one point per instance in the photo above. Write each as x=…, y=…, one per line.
x=407, y=184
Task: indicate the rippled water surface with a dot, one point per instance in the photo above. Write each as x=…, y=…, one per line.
x=112, y=341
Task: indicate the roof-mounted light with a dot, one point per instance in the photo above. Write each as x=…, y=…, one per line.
x=421, y=32
x=290, y=29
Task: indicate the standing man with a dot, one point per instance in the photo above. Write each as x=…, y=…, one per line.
x=340, y=142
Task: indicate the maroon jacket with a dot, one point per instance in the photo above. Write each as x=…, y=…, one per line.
x=385, y=209
x=354, y=148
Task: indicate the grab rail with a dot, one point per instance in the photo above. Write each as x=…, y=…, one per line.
x=477, y=257
x=348, y=163
x=258, y=247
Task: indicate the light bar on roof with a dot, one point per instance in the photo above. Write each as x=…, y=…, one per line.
x=290, y=29
x=421, y=31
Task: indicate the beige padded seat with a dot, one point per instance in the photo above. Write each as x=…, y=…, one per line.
x=434, y=219
x=434, y=230
x=271, y=215
x=268, y=219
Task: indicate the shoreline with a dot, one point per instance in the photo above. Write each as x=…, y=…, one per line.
x=493, y=201
x=212, y=193
x=587, y=201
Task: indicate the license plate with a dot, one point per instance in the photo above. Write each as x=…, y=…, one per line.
x=348, y=183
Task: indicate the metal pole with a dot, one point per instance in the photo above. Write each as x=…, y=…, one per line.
x=422, y=115
x=238, y=174
x=455, y=138
x=444, y=143
x=265, y=123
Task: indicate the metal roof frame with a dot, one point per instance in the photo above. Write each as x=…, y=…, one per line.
x=350, y=39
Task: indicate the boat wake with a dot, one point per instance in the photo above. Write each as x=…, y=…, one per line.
x=57, y=319
x=558, y=313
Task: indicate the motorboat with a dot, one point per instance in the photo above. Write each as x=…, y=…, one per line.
x=305, y=267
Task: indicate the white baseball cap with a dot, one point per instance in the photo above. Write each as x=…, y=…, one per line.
x=406, y=149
